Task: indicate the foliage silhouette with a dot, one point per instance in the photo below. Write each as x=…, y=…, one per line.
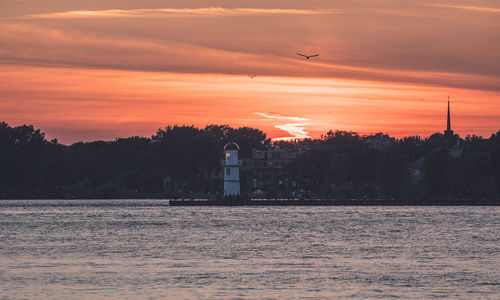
x=184, y=161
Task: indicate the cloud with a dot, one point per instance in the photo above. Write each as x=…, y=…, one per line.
x=176, y=12
x=466, y=7
x=207, y=53
x=280, y=117
x=124, y=103
x=174, y=64
x=296, y=129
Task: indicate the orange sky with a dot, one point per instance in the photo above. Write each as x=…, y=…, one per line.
x=87, y=70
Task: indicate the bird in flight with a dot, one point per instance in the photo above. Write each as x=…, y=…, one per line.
x=252, y=76
x=308, y=56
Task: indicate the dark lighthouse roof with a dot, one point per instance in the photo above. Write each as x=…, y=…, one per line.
x=231, y=146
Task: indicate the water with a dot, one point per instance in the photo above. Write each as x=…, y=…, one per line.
x=142, y=249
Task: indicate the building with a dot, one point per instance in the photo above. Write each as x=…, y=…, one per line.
x=265, y=172
x=455, y=150
x=379, y=140
x=231, y=166
x=274, y=157
x=448, y=131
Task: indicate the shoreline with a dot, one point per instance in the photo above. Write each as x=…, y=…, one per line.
x=264, y=202
x=332, y=202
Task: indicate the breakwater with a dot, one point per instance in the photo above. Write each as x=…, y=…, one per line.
x=329, y=202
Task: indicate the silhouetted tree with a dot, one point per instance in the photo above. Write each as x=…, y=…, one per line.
x=185, y=160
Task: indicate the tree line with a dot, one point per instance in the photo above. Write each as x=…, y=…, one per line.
x=185, y=161
x=343, y=165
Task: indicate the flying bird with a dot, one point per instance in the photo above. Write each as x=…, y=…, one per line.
x=252, y=76
x=308, y=56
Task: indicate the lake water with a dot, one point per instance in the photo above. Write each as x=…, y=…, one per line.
x=143, y=249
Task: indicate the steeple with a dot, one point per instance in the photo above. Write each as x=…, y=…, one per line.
x=448, y=130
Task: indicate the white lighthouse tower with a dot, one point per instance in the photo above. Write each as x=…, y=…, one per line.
x=231, y=166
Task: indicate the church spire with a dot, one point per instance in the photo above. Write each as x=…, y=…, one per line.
x=448, y=125
x=448, y=130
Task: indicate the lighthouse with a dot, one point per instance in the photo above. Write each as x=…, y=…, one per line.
x=231, y=166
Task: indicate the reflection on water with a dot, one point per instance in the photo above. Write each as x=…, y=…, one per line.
x=137, y=249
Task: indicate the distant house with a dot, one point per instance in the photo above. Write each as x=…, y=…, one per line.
x=273, y=157
x=379, y=140
x=265, y=170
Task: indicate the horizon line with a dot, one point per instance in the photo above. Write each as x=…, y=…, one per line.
x=277, y=139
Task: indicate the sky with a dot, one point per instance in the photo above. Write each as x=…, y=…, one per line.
x=84, y=70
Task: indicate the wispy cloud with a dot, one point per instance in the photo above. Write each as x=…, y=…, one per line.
x=296, y=129
x=281, y=118
x=467, y=7
x=177, y=12
x=31, y=44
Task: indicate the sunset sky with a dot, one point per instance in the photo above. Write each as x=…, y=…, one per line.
x=102, y=69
